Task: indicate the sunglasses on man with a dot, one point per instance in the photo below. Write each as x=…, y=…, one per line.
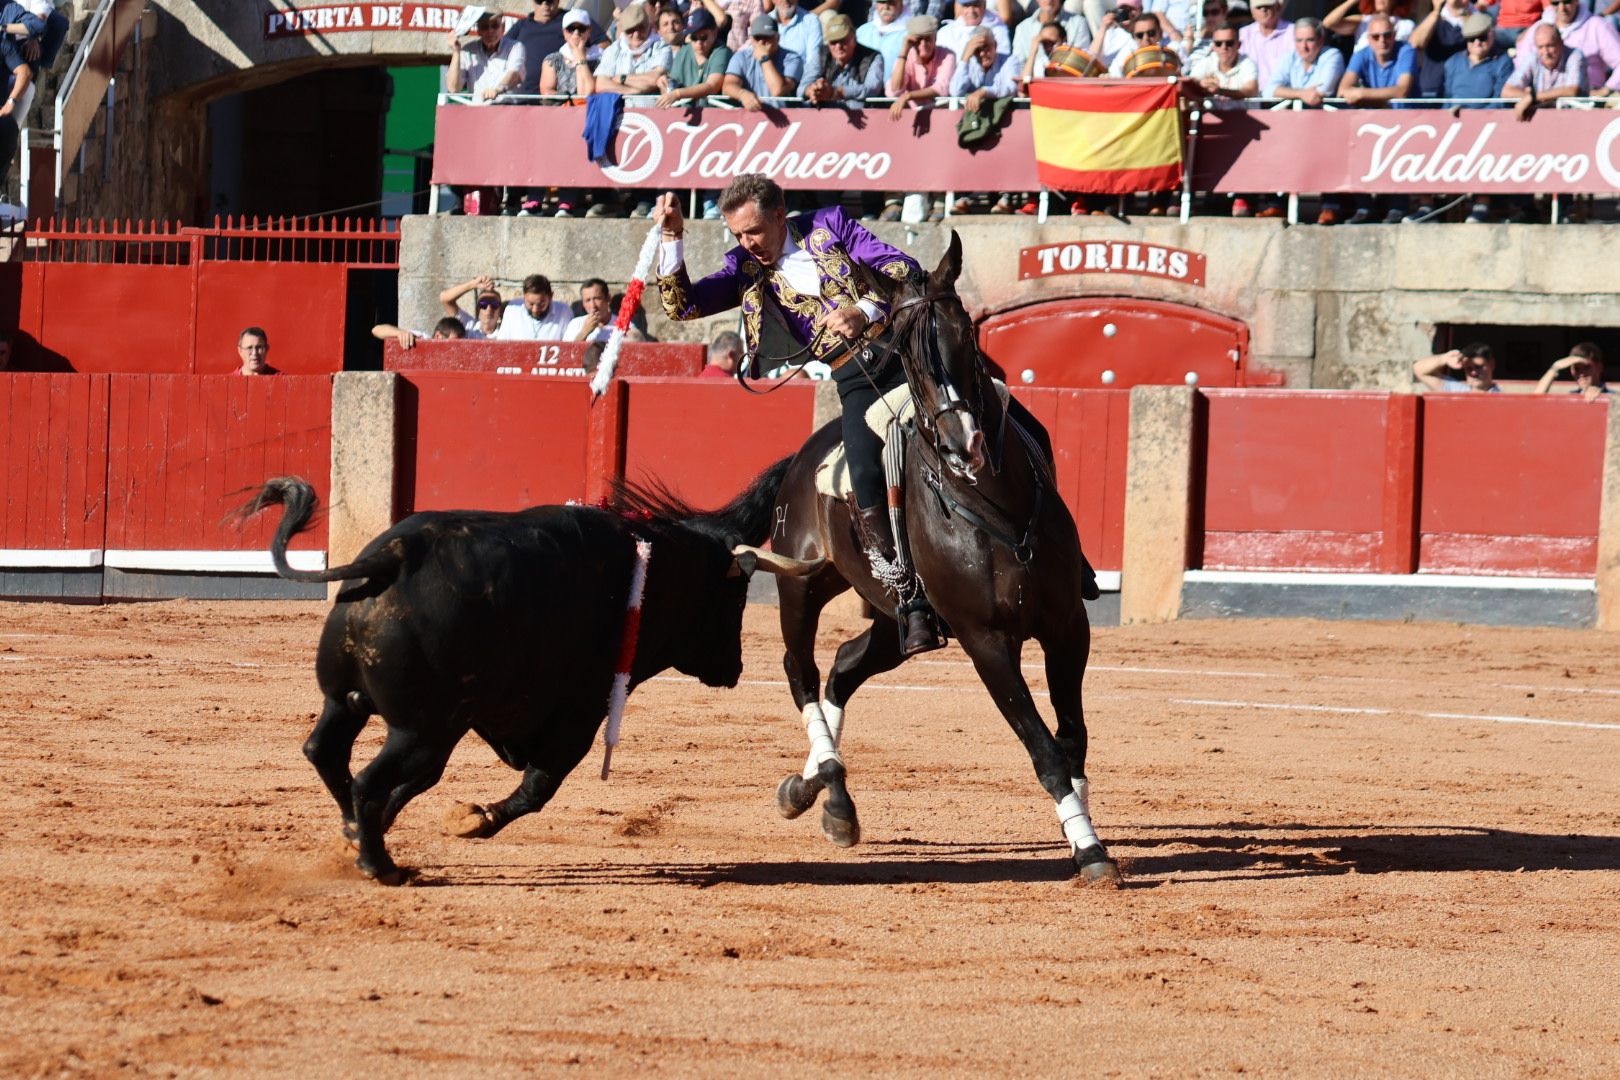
x=1145, y=35
x=1224, y=43
x=489, y=302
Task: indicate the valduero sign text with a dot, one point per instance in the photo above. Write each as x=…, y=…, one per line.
x=340, y=18
x=1112, y=257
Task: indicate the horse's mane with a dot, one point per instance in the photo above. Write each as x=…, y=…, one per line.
x=744, y=520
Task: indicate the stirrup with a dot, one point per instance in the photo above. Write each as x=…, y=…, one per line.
x=919, y=627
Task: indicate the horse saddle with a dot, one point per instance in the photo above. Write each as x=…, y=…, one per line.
x=832, y=475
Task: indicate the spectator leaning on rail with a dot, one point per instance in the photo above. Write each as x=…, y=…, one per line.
x=1593, y=36
x=1558, y=71
x=596, y=324
x=764, y=69
x=636, y=60
x=253, y=352
x=1471, y=368
x=1584, y=364
x=1224, y=72
x=487, y=306
x=983, y=78
x=569, y=70
x=536, y=317
x=699, y=68
x=487, y=67
x=446, y=329
x=1384, y=73
x=924, y=70
x=843, y=71
x=885, y=31
x=1077, y=31
x=1479, y=71
x=1311, y=75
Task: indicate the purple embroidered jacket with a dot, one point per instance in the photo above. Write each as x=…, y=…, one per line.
x=833, y=241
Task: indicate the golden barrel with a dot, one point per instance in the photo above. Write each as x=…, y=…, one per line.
x=1151, y=61
x=1067, y=61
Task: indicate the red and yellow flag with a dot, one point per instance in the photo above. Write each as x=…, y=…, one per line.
x=1108, y=137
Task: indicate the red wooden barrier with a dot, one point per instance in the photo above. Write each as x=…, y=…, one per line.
x=301, y=307
x=491, y=443
x=558, y=359
x=1090, y=432
x=53, y=462
x=183, y=451
x=1511, y=484
x=1300, y=480
x=707, y=438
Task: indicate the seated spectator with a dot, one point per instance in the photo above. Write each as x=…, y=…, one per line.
x=537, y=317
x=1115, y=41
x=1269, y=42
x=923, y=71
x=1351, y=17
x=799, y=31
x=764, y=69
x=489, y=66
x=672, y=27
x=1471, y=368
x=982, y=72
x=1513, y=18
x=1437, y=38
x=725, y=354
x=446, y=329
x=1146, y=31
x=540, y=34
x=569, y=69
x=1593, y=36
x=1479, y=71
x=596, y=324
x=636, y=59
x=487, y=310
x=1584, y=364
x=1194, y=45
x=1384, y=72
x=699, y=68
x=843, y=71
x=1224, y=72
x=1556, y=72
x=953, y=36
x=1076, y=30
x=885, y=31
x=253, y=349
x=1311, y=73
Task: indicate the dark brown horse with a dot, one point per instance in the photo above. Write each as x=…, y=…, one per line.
x=996, y=549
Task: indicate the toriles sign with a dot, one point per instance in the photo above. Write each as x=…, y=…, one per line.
x=824, y=149
x=1111, y=257
x=340, y=18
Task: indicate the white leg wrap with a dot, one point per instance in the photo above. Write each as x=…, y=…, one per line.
x=1076, y=823
x=1082, y=788
x=822, y=747
x=834, y=716
x=835, y=721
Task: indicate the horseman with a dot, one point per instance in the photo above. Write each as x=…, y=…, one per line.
x=814, y=286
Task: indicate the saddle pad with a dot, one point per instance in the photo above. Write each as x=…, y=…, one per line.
x=832, y=475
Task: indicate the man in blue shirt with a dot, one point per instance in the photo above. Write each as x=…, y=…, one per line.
x=843, y=71
x=764, y=69
x=1479, y=71
x=800, y=31
x=1381, y=74
x=1310, y=74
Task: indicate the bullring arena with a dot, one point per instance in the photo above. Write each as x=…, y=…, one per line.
x=1350, y=849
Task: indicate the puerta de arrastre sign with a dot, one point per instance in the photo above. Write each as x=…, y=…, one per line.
x=339, y=18
x=1112, y=257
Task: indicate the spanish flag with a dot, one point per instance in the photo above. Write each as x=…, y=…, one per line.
x=1109, y=137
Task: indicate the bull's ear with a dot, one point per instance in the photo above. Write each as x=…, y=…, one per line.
x=773, y=563
x=743, y=564
x=943, y=279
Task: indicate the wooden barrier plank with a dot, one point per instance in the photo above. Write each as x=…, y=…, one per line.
x=1400, y=502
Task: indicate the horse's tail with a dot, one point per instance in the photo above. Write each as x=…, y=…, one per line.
x=300, y=500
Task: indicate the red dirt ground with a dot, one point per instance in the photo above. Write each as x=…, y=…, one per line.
x=1428, y=887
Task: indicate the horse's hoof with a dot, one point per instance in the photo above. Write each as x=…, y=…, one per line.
x=844, y=832
x=795, y=795
x=469, y=822
x=1096, y=868
x=388, y=874
x=351, y=835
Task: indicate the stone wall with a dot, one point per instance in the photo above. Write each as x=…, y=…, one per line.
x=1341, y=307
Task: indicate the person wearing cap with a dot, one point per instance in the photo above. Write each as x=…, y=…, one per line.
x=637, y=59
x=843, y=71
x=813, y=286
x=798, y=30
x=953, y=35
x=488, y=66
x=1268, y=41
x=487, y=312
x=885, y=31
x=569, y=70
x=764, y=69
x=699, y=67
x=1076, y=30
x=924, y=70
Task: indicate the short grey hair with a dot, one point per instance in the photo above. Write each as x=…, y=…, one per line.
x=726, y=341
x=1313, y=24
x=754, y=188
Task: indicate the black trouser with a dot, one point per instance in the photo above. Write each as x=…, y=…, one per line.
x=863, y=447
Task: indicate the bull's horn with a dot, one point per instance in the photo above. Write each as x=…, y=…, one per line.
x=773, y=563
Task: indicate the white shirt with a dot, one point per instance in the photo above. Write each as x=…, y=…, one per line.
x=796, y=266
x=518, y=325
x=481, y=70
x=954, y=36
x=1243, y=73
x=577, y=323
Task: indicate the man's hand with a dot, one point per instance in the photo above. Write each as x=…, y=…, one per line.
x=898, y=109
x=1210, y=84
x=1352, y=95
x=668, y=100
x=818, y=92
x=483, y=282
x=762, y=48
x=1454, y=359
x=406, y=339
x=667, y=213
x=1311, y=96
x=1524, y=108
x=975, y=100
x=846, y=322
x=751, y=103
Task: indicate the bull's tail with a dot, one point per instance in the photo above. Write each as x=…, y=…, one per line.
x=299, y=501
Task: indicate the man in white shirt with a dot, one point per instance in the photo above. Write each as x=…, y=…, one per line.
x=969, y=15
x=537, y=317
x=597, y=322
x=487, y=67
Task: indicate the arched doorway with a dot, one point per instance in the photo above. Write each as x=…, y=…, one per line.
x=1118, y=342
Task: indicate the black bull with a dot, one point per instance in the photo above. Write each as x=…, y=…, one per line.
x=509, y=625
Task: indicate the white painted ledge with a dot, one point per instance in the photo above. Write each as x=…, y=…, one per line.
x=211, y=562
x=1431, y=581
x=38, y=559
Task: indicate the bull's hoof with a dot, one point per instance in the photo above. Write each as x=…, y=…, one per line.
x=844, y=832
x=351, y=835
x=795, y=795
x=470, y=822
x=1095, y=867
x=384, y=873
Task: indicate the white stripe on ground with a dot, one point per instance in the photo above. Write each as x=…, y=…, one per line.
x=1286, y=707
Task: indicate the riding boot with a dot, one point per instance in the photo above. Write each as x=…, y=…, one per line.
x=919, y=631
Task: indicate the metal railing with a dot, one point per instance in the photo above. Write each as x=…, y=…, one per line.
x=367, y=244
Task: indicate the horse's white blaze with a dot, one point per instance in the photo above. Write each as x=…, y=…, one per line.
x=822, y=746
x=1076, y=823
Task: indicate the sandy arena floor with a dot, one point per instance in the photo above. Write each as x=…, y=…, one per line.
x=1352, y=850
